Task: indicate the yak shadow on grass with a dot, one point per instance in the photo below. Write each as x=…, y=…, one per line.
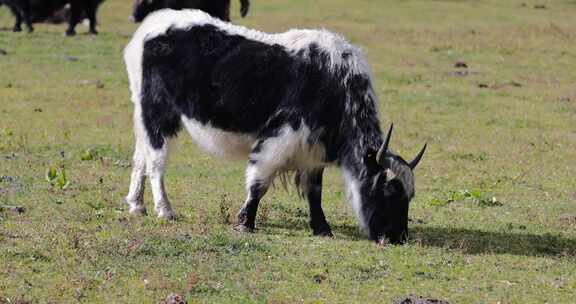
x=469, y=241
x=301, y=226
x=493, y=242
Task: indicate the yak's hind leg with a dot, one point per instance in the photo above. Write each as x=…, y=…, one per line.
x=152, y=162
x=148, y=160
x=155, y=124
x=310, y=184
x=135, y=197
x=155, y=167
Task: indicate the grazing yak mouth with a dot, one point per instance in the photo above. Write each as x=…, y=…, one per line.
x=302, y=100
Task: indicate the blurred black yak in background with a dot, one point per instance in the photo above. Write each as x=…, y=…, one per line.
x=53, y=11
x=217, y=8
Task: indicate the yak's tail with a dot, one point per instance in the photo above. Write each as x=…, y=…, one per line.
x=244, y=6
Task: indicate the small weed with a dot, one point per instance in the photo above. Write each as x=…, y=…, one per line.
x=106, y=154
x=6, y=133
x=225, y=206
x=89, y=154
x=264, y=214
x=56, y=201
x=97, y=206
x=57, y=178
x=438, y=202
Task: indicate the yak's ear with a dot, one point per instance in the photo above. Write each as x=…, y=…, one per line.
x=370, y=161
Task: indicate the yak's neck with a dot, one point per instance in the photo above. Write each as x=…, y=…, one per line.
x=363, y=135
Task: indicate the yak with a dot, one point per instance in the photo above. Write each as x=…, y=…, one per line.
x=294, y=102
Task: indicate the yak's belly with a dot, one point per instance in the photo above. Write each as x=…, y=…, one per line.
x=219, y=142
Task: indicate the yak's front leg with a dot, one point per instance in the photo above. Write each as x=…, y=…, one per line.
x=257, y=182
x=311, y=184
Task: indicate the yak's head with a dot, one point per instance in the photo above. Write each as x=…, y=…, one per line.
x=142, y=8
x=385, y=192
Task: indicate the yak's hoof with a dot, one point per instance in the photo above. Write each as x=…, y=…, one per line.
x=93, y=32
x=17, y=29
x=243, y=228
x=137, y=210
x=70, y=33
x=326, y=232
x=168, y=215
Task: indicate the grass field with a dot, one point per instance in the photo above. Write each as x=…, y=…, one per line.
x=494, y=219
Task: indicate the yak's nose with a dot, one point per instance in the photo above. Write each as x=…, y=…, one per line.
x=131, y=18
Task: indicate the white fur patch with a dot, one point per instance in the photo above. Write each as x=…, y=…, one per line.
x=218, y=142
x=289, y=150
x=354, y=198
x=390, y=175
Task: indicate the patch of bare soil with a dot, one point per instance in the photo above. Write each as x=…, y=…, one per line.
x=174, y=299
x=567, y=219
x=419, y=300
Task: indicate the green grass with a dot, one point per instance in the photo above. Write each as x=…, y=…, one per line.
x=494, y=219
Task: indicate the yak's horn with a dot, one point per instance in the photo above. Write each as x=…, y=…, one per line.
x=384, y=147
x=418, y=157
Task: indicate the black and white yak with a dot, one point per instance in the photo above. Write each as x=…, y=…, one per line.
x=292, y=102
x=31, y=11
x=216, y=8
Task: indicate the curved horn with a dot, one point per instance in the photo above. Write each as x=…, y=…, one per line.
x=418, y=157
x=384, y=147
